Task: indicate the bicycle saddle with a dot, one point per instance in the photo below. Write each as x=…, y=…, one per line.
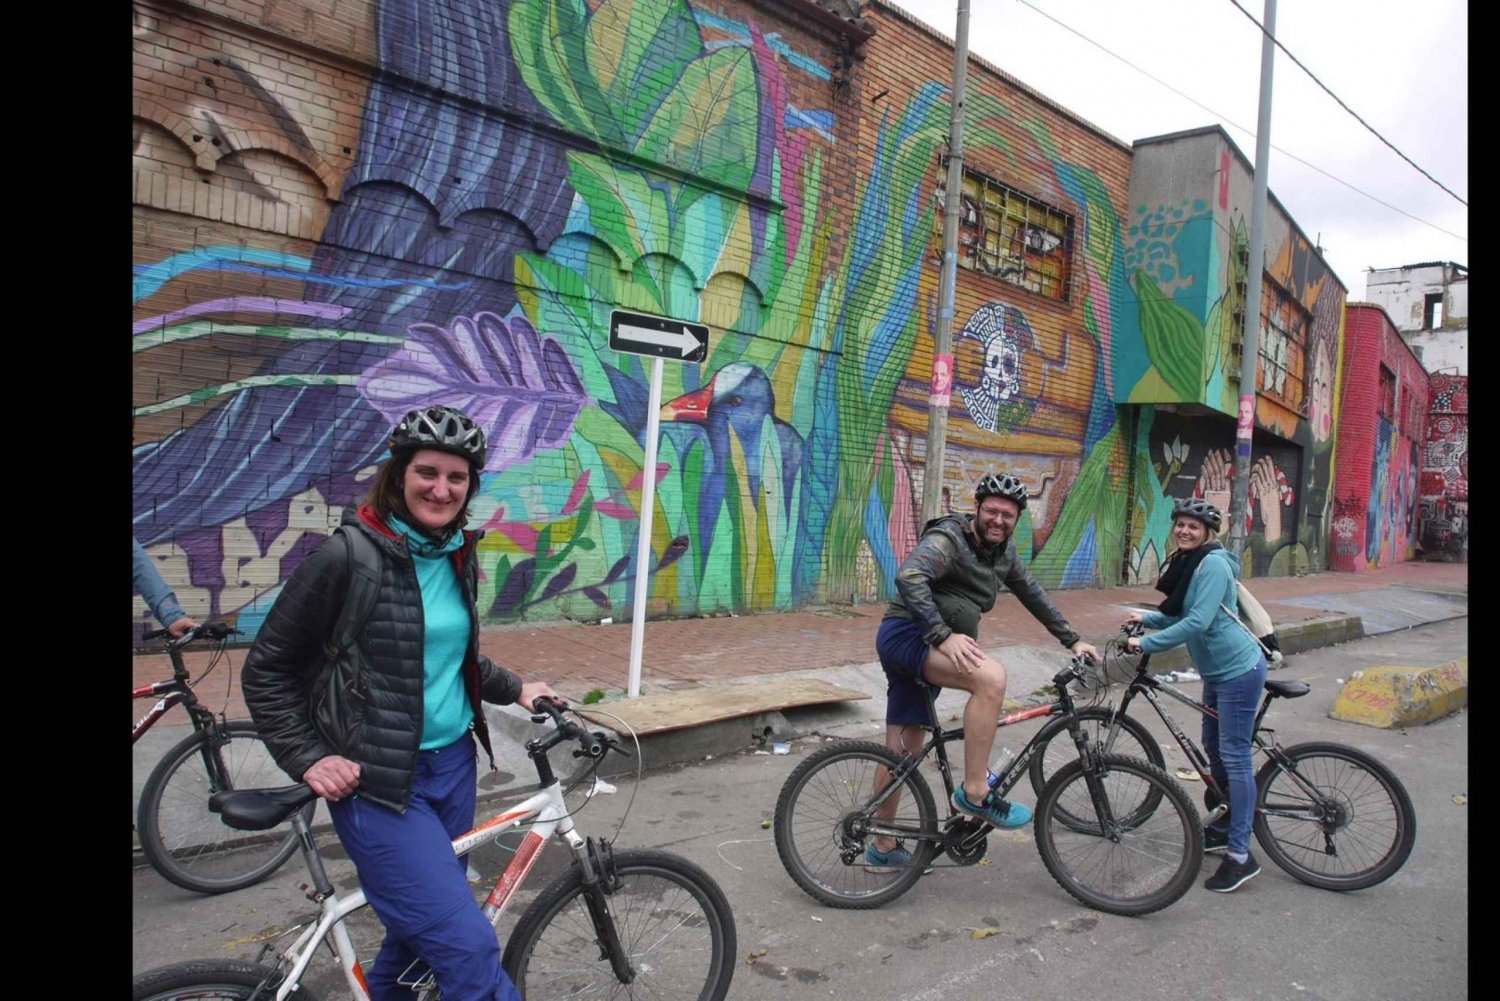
x=260, y=809
x=1288, y=689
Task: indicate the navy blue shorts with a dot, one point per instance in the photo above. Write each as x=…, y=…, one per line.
x=902, y=652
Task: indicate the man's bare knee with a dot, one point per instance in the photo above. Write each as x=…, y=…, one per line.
x=990, y=680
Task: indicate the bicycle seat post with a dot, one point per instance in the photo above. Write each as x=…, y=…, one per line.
x=322, y=886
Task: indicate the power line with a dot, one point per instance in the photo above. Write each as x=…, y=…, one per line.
x=1228, y=121
x=1341, y=104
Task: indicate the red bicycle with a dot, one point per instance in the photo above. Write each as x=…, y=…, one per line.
x=182, y=840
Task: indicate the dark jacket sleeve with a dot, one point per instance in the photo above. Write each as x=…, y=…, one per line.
x=933, y=556
x=496, y=684
x=289, y=653
x=1024, y=586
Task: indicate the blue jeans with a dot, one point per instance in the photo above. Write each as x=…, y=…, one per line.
x=419, y=888
x=1227, y=740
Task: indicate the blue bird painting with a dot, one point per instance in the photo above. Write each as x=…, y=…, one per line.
x=737, y=400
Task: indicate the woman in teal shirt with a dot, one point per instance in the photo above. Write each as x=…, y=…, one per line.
x=1200, y=586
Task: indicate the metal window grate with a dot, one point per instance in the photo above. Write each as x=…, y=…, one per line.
x=1013, y=237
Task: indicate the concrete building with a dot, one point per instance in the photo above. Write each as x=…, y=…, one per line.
x=1186, y=259
x=1429, y=304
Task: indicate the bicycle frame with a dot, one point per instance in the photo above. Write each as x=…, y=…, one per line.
x=172, y=694
x=1148, y=687
x=1063, y=705
x=545, y=810
x=176, y=690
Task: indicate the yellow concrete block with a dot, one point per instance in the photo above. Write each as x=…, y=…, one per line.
x=1392, y=695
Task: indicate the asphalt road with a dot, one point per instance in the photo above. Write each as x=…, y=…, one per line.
x=1276, y=938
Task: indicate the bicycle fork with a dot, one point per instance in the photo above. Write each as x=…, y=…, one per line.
x=599, y=883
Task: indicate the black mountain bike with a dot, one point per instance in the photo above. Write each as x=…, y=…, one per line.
x=179, y=836
x=1116, y=832
x=1329, y=814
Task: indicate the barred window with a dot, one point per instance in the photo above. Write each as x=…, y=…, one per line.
x=1284, y=325
x=1013, y=237
x=1387, y=393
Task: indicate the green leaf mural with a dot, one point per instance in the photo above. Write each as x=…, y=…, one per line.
x=1174, y=340
x=707, y=122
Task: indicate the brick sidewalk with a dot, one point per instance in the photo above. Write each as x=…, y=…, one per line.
x=682, y=652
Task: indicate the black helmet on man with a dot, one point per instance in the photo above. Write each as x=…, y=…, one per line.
x=1001, y=485
x=1197, y=507
x=442, y=428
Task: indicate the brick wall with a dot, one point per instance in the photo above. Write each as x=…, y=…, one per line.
x=1376, y=492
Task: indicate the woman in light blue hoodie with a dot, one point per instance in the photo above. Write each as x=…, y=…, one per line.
x=1200, y=586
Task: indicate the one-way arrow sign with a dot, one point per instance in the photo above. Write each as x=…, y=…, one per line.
x=658, y=336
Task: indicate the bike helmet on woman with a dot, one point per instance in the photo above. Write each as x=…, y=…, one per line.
x=1002, y=485
x=1197, y=507
x=442, y=428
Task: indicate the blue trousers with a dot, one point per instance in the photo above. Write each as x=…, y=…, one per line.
x=419, y=888
x=1227, y=740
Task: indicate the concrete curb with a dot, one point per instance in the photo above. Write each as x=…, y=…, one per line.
x=1393, y=696
x=1030, y=670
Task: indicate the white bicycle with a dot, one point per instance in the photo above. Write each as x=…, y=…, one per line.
x=621, y=924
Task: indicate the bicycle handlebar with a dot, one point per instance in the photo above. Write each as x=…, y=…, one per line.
x=591, y=744
x=208, y=630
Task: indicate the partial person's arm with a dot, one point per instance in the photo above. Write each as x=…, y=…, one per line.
x=933, y=556
x=1034, y=597
x=155, y=592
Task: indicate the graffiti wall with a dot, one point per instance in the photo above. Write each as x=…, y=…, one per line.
x=1186, y=261
x=445, y=208
x=1385, y=420
x=1444, y=484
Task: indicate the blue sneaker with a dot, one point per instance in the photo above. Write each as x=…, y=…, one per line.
x=895, y=859
x=993, y=811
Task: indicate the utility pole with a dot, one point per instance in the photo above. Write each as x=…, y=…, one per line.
x=942, y=349
x=1239, y=502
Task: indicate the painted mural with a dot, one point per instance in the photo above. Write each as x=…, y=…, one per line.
x=1186, y=265
x=1391, y=510
x=1444, y=482
x=684, y=170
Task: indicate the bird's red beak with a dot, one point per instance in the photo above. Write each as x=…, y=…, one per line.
x=689, y=406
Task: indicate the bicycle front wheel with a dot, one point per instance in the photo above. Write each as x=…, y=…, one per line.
x=224, y=979
x=191, y=846
x=821, y=815
x=1333, y=817
x=1118, y=862
x=673, y=922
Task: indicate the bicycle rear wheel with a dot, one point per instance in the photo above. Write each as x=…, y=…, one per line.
x=1127, y=868
x=1347, y=825
x=224, y=979
x=191, y=846
x=821, y=811
x=673, y=921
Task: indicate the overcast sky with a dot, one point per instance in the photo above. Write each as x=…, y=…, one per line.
x=1403, y=67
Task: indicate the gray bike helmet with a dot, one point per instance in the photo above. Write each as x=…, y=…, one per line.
x=1003, y=485
x=442, y=428
x=1197, y=507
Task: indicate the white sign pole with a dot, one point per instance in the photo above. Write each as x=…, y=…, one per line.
x=643, y=548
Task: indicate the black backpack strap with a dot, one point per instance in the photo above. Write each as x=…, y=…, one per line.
x=363, y=561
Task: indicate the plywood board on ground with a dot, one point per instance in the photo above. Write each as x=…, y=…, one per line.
x=677, y=710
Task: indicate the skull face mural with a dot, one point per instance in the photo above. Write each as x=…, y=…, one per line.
x=1004, y=332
